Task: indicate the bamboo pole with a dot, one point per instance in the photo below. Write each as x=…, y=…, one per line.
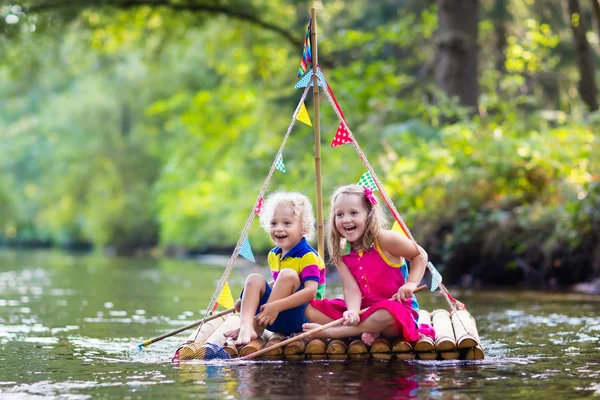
x=317, y=128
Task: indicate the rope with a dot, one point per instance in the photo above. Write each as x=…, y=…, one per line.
x=236, y=251
x=452, y=302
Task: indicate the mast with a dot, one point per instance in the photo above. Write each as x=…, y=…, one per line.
x=317, y=127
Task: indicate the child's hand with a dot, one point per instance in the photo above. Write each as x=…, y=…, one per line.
x=351, y=318
x=238, y=305
x=406, y=291
x=268, y=314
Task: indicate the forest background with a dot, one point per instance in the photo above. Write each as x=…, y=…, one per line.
x=151, y=124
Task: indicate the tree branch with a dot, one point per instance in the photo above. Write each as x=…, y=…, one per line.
x=177, y=6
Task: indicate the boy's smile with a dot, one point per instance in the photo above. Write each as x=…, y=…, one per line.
x=285, y=228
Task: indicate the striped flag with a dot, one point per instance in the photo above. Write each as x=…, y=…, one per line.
x=226, y=298
x=306, y=62
x=246, y=250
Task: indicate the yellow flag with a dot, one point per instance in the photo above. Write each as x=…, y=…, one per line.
x=303, y=115
x=225, y=298
x=396, y=227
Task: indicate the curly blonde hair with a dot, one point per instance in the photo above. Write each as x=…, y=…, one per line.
x=301, y=205
x=376, y=221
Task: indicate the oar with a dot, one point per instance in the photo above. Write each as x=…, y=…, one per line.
x=183, y=328
x=306, y=334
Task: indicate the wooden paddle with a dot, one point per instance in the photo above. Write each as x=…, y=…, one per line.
x=184, y=328
x=306, y=334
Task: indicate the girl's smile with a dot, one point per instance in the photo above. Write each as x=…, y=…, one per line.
x=350, y=217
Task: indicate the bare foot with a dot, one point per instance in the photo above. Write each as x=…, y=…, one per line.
x=309, y=326
x=245, y=335
x=232, y=334
x=368, y=338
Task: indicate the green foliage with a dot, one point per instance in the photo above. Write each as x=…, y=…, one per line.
x=150, y=126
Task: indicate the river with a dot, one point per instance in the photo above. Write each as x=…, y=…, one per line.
x=70, y=325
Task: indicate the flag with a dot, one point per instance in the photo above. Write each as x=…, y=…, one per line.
x=259, y=206
x=342, y=136
x=304, y=81
x=303, y=115
x=279, y=164
x=225, y=298
x=306, y=62
x=367, y=180
x=397, y=228
x=436, y=278
x=246, y=250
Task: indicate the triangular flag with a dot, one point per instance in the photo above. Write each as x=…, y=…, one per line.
x=367, y=180
x=306, y=62
x=436, y=277
x=246, y=250
x=259, y=206
x=225, y=298
x=303, y=115
x=304, y=81
x=397, y=228
x=342, y=136
x=279, y=164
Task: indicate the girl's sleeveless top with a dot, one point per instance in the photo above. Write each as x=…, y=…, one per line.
x=379, y=280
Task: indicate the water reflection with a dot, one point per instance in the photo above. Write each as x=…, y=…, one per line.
x=69, y=327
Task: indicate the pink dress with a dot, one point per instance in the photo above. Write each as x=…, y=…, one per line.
x=379, y=280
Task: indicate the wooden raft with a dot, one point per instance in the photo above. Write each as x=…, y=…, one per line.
x=456, y=338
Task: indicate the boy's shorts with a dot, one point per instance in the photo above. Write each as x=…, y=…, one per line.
x=288, y=321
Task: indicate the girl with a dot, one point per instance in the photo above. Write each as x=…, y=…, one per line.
x=297, y=270
x=373, y=272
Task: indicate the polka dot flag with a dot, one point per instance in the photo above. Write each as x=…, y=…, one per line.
x=342, y=136
x=279, y=164
x=303, y=82
x=367, y=180
x=246, y=250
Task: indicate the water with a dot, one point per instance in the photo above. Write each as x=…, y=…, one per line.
x=70, y=325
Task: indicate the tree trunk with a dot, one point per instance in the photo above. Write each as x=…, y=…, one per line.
x=456, y=68
x=501, y=16
x=596, y=9
x=585, y=58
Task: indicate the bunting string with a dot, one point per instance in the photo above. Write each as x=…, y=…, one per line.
x=244, y=234
x=452, y=302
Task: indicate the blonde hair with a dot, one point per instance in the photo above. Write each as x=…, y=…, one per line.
x=376, y=221
x=301, y=205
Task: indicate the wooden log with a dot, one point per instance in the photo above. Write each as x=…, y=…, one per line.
x=276, y=353
x=403, y=350
x=337, y=350
x=358, y=350
x=425, y=346
x=445, y=342
x=231, y=348
x=381, y=349
x=295, y=350
x=252, y=346
x=316, y=349
x=196, y=351
x=205, y=330
x=465, y=329
x=474, y=353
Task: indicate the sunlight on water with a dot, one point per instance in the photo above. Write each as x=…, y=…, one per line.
x=70, y=327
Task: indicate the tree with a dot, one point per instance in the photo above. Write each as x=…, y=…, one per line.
x=456, y=69
x=584, y=55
